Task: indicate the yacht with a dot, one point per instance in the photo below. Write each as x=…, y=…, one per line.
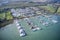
x=21, y=30
x=54, y=21
x=33, y=27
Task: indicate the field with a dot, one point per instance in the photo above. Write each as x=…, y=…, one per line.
x=6, y=15
x=58, y=11
x=51, y=9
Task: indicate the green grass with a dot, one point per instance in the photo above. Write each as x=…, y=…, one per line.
x=48, y=8
x=2, y=15
x=6, y=15
x=58, y=11
x=9, y=16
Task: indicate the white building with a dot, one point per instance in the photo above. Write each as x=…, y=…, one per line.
x=15, y=13
x=19, y=12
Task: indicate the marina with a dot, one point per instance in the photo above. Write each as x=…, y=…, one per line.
x=29, y=20
x=13, y=32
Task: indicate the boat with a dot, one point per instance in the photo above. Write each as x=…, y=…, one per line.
x=33, y=27
x=54, y=21
x=45, y=23
x=21, y=30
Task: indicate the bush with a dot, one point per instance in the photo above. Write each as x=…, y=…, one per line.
x=2, y=16
x=9, y=16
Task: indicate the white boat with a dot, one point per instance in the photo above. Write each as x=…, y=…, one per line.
x=35, y=28
x=38, y=28
x=22, y=35
x=28, y=21
x=22, y=32
x=54, y=21
x=19, y=27
x=46, y=23
x=17, y=24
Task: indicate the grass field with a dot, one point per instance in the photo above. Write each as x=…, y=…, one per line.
x=2, y=15
x=58, y=11
x=48, y=8
x=9, y=16
x=6, y=15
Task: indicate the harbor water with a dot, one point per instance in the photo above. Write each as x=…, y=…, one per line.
x=50, y=32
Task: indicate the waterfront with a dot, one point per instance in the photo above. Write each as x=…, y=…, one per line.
x=28, y=20
x=52, y=32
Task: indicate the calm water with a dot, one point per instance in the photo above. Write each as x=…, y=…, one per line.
x=52, y=32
